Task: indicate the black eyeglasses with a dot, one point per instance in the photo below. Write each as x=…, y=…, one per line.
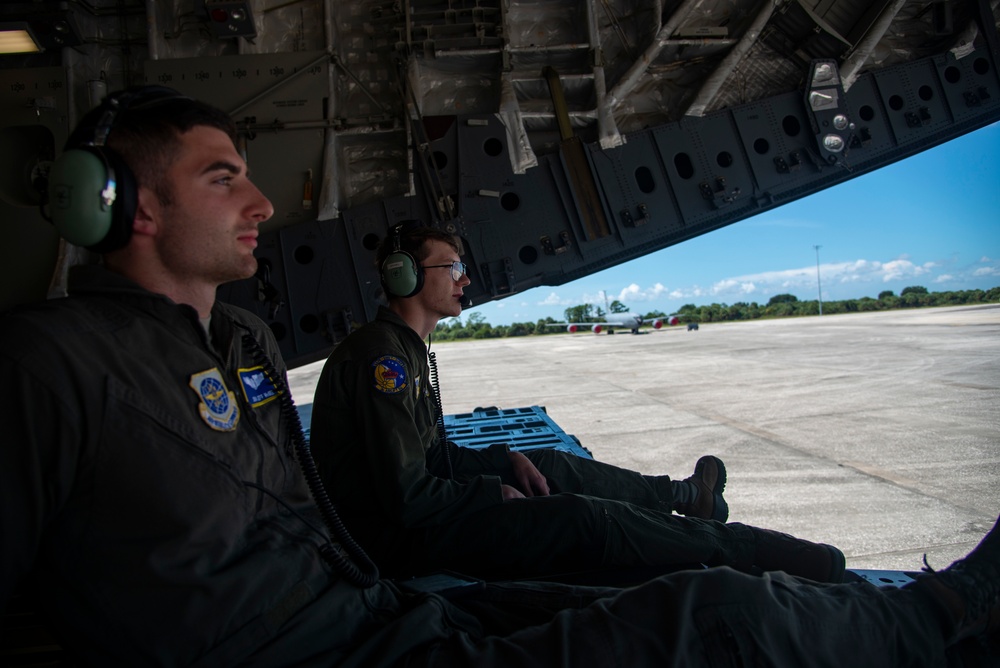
x=457, y=269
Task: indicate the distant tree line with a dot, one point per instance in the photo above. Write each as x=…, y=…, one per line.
x=779, y=306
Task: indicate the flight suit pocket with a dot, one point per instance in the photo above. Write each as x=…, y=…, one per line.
x=152, y=469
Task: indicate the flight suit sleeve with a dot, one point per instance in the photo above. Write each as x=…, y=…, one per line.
x=396, y=427
x=38, y=460
x=467, y=463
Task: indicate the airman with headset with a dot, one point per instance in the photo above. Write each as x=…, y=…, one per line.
x=417, y=502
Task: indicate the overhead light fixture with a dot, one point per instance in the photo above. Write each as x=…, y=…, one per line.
x=17, y=38
x=32, y=27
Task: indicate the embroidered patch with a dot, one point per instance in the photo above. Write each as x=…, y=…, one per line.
x=257, y=386
x=390, y=374
x=218, y=405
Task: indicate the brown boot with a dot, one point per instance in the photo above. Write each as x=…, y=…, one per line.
x=710, y=480
x=778, y=551
x=968, y=591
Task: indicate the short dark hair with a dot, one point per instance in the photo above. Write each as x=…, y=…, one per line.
x=413, y=239
x=146, y=130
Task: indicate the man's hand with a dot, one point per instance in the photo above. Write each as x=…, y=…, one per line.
x=530, y=480
x=510, y=493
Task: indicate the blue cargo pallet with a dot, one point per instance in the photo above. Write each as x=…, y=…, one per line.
x=526, y=428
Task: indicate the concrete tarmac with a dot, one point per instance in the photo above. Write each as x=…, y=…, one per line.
x=875, y=432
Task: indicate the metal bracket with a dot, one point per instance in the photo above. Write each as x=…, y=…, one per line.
x=828, y=115
x=789, y=165
x=550, y=249
x=628, y=220
x=717, y=193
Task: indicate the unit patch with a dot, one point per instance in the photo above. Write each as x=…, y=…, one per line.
x=257, y=386
x=218, y=405
x=390, y=374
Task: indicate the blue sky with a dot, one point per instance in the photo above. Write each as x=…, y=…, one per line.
x=931, y=220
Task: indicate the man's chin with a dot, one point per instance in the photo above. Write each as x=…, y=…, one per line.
x=249, y=267
x=240, y=272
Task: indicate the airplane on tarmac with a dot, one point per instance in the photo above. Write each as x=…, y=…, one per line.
x=630, y=321
x=623, y=320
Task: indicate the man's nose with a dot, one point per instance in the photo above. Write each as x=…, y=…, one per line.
x=259, y=205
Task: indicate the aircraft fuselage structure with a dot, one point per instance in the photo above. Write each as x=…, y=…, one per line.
x=552, y=154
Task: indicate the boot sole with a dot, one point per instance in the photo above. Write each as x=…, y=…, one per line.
x=720, y=509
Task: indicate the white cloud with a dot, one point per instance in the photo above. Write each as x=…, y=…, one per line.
x=898, y=269
x=633, y=293
x=987, y=271
x=628, y=295
x=552, y=300
x=804, y=278
x=723, y=286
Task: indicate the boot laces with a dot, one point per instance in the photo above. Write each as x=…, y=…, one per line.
x=976, y=581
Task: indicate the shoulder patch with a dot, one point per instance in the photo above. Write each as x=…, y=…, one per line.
x=389, y=374
x=218, y=405
x=258, y=387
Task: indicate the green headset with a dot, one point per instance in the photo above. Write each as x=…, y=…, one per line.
x=92, y=193
x=400, y=273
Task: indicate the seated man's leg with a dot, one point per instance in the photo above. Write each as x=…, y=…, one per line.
x=719, y=617
x=524, y=538
x=699, y=495
x=771, y=550
x=715, y=617
x=567, y=533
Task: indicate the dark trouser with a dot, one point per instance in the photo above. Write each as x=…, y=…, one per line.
x=579, y=475
x=599, y=516
x=716, y=617
x=566, y=533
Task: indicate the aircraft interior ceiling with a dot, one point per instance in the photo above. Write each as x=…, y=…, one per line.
x=555, y=137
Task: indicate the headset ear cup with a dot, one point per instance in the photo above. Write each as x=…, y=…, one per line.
x=76, y=181
x=401, y=276
x=77, y=184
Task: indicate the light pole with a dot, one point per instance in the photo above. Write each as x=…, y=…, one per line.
x=819, y=286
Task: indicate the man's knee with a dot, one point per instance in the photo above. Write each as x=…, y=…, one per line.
x=545, y=458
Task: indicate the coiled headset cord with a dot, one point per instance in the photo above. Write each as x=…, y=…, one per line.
x=442, y=434
x=363, y=573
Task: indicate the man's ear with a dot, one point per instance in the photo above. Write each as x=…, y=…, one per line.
x=147, y=212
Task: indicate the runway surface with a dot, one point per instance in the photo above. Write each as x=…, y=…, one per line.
x=875, y=432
